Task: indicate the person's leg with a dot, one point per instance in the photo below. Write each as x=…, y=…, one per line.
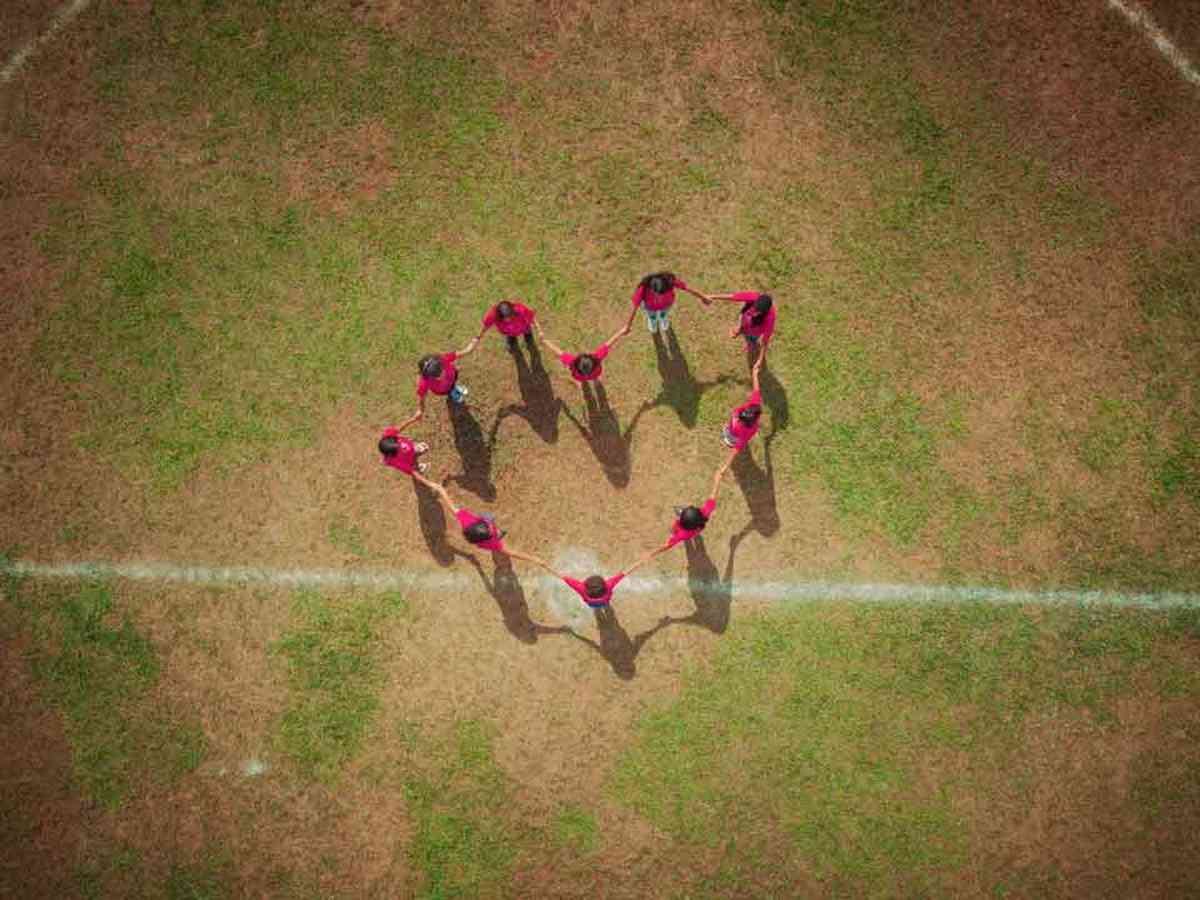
x=529, y=342
x=664, y=324
x=512, y=342
x=651, y=319
x=728, y=438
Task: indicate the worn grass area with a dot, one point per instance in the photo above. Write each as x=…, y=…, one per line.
x=94, y=665
x=334, y=669
x=871, y=760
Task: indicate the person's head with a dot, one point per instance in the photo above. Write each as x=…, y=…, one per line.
x=430, y=367
x=750, y=414
x=761, y=307
x=659, y=282
x=389, y=445
x=505, y=310
x=477, y=532
x=595, y=587
x=692, y=519
x=585, y=364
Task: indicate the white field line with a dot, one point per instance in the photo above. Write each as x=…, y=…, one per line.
x=64, y=15
x=1140, y=18
x=767, y=591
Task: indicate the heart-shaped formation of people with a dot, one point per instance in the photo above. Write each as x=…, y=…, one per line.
x=654, y=295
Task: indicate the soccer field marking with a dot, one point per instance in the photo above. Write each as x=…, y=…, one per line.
x=64, y=15
x=780, y=591
x=1140, y=17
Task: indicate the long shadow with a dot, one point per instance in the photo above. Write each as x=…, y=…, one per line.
x=774, y=396
x=681, y=391
x=711, y=591
x=603, y=434
x=539, y=405
x=475, y=453
x=506, y=590
x=615, y=645
x=758, y=486
x=433, y=526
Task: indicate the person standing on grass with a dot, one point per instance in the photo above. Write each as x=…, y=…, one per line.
x=512, y=319
x=402, y=453
x=439, y=375
x=655, y=295
x=744, y=421
x=756, y=323
x=479, y=530
x=584, y=367
x=595, y=590
x=691, y=520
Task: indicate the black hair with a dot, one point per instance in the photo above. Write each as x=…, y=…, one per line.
x=389, y=445
x=692, y=519
x=505, y=310
x=761, y=307
x=430, y=366
x=595, y=586
x=585, y=364
x=750, y=414
x=477, y=532
x=659, y=282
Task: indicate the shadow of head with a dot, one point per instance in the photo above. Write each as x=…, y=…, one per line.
x=758, y=486
x=433, y=524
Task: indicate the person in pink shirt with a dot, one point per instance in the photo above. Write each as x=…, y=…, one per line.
x=401, y=453
x=479, y=530
x=691, y=520
x=655, y=295
x=595, y=590
x=513, y=320
x=757, y=321
x=584, y=367
x=744, y=421
x=439, y=375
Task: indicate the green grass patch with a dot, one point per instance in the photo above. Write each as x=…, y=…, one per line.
x=332, y=654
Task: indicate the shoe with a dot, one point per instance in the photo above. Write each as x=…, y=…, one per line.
x=664, y=324
x=651, y=324
x=421, y=447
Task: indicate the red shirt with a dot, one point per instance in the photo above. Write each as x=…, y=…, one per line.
x=642, y=295
x=440, y=386
x=406, y=453
x=741, y=432
x=568, y=360
x=595, y=602
x=466, y=519
x=515, y=325
x=763, y=331
x=679, y=533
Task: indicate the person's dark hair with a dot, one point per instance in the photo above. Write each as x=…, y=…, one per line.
x=585, y=364
x=477, y=532
x=389, y=445
x=430, y=366
x=659, y=282
x=750, y=414
x=595, y=586
x=762, y=306
x=692, y=519
x=505, y=310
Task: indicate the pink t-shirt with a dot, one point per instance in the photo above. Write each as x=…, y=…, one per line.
x=763, y=331
x=515, y=325
x=406, y=453
x=442, y=385
x=594, y=602
x=642, y=295
x=742, y=433
x=466, y=519
x=568, y=360
x=679, y=533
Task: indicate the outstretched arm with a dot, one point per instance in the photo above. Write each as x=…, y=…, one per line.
x=442, y=493
x=629, y=321
x=618, y=334
x=700, y=295
x=717, y=476
x=529, y=557
x=758, y=368
x=646, y=558
x=413, y=418
x=471, y=345
x=557, y=350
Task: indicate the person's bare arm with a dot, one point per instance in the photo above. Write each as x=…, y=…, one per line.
x=629, y=322
x=617, y=335
x=442, y=493
x=717, y=476
x=557, y=350
x=529, y=557
x=413, y=418
x=646, y=558
x=700, y=295
x=757, y=368
x=470, y=348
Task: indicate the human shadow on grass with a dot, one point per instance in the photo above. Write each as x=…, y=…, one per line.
x=757, y=484
x=506, y=590
x=475, y=453
x=432, y=519
x=681, y=391
x=712, y=591
x=539, y=405
x=616, y=646
x=603, y=433
x=773, y=394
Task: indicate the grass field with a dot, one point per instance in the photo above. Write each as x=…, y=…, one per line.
x=232, y=229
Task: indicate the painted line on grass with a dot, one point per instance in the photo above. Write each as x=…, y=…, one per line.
x=767, y=591
x=64, y=15
x=1140, y=17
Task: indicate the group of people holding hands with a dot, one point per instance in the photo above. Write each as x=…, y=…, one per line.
x=654, y=296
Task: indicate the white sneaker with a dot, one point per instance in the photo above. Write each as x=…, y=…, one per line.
x=651, y=323
x=663, y=322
